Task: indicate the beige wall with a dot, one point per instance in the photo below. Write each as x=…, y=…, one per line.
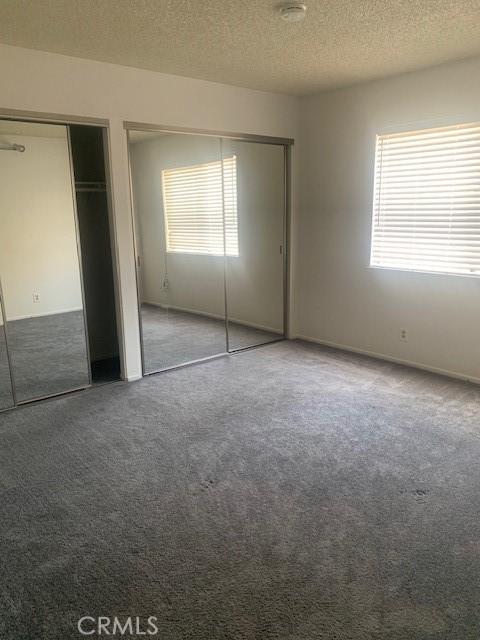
x=38, y=245
x=340, y=299
x=45, y=82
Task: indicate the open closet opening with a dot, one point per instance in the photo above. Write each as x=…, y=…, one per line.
x=88, y=158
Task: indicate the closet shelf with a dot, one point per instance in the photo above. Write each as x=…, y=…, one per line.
x=90, y=186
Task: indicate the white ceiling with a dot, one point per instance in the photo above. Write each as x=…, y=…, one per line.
x=245, y=43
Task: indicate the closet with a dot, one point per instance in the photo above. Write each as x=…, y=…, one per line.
x=210, y=240
x=58, y=328
x=91, y=194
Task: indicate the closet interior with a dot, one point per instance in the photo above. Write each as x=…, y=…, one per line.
x=88, y=155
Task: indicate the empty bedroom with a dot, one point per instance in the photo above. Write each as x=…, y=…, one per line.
x=239, y=319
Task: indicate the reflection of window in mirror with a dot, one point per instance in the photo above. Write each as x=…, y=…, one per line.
x=193, y=205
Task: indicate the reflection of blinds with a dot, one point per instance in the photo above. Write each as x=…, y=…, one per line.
x=427, y=200
x=194, y=206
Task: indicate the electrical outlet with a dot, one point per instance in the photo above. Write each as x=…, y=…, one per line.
x=36, y=297
x=404, y=335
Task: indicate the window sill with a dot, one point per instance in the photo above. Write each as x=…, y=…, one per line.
x=424, y=271
x=205, y=255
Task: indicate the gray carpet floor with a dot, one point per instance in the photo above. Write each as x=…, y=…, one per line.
x=172, y=337
x=48, y=354
x=288, y=492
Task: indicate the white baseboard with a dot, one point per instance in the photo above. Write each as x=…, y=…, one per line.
x=166, y=307
x=214, y=316
x=154, y=304
x=137, y=376
x=45, y=314
x=254, y=325
x=387, y=358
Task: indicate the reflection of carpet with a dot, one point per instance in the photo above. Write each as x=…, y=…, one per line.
x=48, y=354
x=285, y=493
x=6, y=398
x=173, y=337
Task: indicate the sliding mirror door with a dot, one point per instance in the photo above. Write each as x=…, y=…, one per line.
x=39, y=261
x=254, y=204
x=179, y=234
x=6, y=393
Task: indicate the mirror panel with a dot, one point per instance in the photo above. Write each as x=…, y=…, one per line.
x=178, y=211
x=254, y=223
x=39, y=261
x=6, y=394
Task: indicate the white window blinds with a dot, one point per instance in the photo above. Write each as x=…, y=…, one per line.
x=426, y=212
x=194, y=206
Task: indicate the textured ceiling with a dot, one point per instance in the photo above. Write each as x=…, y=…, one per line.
x=245, y=43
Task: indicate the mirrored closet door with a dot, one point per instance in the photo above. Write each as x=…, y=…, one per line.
x=39, y=262
x=178, y=203
x=254, y=220
x=209, y=218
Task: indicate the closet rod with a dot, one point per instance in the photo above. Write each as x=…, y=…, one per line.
x=90, y=186
x=12, y=147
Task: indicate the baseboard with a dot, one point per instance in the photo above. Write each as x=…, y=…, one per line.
x=254, y=325
x=214, y=316
x=166, y=307
x=137, y=376
x=44, y=315
x=387, y=358
x=155, y=304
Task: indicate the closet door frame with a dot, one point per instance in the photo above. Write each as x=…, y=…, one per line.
x=66, y=120
x=79, y=258
x=287, y=144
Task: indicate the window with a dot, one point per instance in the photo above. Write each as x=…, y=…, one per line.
x=426, y=211
x=194, y=206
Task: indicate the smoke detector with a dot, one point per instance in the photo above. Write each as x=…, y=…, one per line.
x=293, y=11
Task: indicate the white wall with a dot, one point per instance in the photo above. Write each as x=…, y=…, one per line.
x=196, y=282
x=45, y=82
x=38, y=249
x=340, y=300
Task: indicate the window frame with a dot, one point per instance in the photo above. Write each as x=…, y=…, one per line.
x=405, y=128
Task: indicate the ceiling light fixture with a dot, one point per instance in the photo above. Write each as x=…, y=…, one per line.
x=293, y=11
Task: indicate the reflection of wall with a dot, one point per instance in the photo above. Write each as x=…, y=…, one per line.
x=195, y=282
x=38, y=252
x=255, y=280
